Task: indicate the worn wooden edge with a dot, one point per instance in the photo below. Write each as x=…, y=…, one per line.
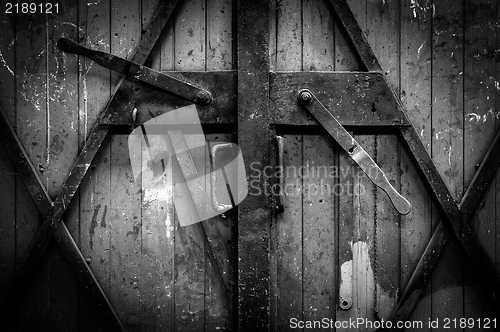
x=354, y=98
x=151, y=102
x=356, y=35
x=254, y=213
x=481, y=180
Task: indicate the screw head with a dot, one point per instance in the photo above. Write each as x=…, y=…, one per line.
x=203, y=97
x=305, y=96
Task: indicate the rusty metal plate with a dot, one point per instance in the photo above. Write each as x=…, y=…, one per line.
x=354, y=98
x=151, y=101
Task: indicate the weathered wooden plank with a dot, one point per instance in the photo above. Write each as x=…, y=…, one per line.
x=289, y=240
x=157, y=240
x=94, y=92
x=318, y=36
x=125, y=236
x=190, y=38
x=157, y=262
x=345, y=196
x=62, y=140
x=254, y=213
x=447, y=82
x=447, y=143
x=479, y=131
x=125, y=205
x=348, y=20
x=416, y=228
x=319, y=235
x=31, y=126
x=346, y=56
x=217, y=310
x=219, y=41
x=189, y=54
x=7, y=168
x=383, y=34
x=289, y=35
x=364, y=198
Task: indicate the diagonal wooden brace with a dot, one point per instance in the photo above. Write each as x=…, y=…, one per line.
x=62, y=235
x=422, y=273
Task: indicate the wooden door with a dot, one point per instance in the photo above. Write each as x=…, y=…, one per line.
x=337, y=231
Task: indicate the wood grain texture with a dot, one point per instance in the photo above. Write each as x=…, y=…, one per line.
x=95, y=200
x=383, y=34
x=7, y=168
x=417, y=227
x=319, y=235
x=479, y=131
x=290, y=237
x=447, y=142
x=125, y=202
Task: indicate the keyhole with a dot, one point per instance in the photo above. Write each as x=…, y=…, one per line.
x=352, y=148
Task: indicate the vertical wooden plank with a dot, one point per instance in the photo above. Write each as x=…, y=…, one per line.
x=95, y=202
x=345, y=184
x=31, y=46
x=7, y=169
x=289, y=229
x=216, y=309
x=190, y=41
x=447, y=142
x=319, y=201
x=157, y=255
x=447, y=87
x=219, y=35
x=346, y=56
x=415, y=92
x=384, y=36
x=362, y=249
x=62, y=140
x=219, y=49
x=189, y=44
x=125, y=238
x=289, y=226
x=289, y=35
x=125, y=200
x=254, y=213
x=479, y=130
x=318, y=36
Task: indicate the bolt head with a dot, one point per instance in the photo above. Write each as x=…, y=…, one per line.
x=203, y=97
x=305, y=96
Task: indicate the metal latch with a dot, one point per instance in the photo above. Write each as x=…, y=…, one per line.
x=353, y=149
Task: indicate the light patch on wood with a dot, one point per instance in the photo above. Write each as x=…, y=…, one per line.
x=363, y=285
